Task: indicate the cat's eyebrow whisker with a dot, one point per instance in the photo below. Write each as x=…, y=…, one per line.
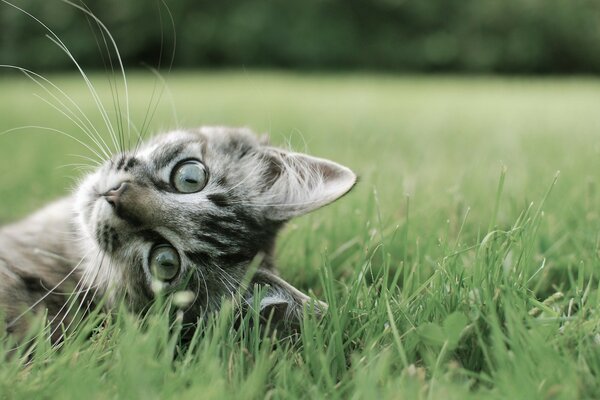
x=51, y=130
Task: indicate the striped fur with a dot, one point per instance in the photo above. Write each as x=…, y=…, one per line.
x=102, y=250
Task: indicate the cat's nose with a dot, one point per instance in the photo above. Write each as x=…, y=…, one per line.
x=113, y=196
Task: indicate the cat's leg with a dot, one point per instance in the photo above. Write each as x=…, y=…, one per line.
x=281, y=303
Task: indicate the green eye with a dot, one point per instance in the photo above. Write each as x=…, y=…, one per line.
x=189, y=176
x=164, y=262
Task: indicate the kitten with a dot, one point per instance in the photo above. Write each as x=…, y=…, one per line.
x=188, y=210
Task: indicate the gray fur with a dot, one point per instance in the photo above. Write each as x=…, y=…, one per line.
x=85, y=247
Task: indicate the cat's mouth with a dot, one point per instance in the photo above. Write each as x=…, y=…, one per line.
x=105, y=224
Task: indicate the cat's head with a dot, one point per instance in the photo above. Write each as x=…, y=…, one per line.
x=192, y=209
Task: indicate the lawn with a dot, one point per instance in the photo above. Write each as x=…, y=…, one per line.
x=463, y=265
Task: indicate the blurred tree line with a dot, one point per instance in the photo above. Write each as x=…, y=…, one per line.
x=504, y=36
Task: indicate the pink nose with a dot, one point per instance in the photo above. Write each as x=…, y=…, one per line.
x=113, y=195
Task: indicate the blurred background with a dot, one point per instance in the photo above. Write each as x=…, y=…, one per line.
x=467, y=36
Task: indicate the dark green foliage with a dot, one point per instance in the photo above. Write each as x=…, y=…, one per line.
x=533, y=36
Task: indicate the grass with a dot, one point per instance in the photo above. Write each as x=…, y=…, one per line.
x=461, y=266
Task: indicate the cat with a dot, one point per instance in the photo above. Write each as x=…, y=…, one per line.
x=188, y=210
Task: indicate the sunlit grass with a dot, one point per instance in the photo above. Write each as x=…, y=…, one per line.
x=461, y=265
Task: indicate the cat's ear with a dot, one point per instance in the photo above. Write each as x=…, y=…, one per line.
x=280, y=303
x=296, y=184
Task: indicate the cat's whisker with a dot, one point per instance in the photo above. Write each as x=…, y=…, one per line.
x=71, y=293
x=72, y=299
x=95, y=162
x=203, y=280
x=169, y=94
x=104, y=151
x=118, y=55
x=229, y=279
x=78, y=289
x=136, y=130
x=236, y=289
x=51, y=130
x=196, y=292
x=85, y=125
x=232, y=292
x=92, y=90
x=150, y=111
x=79, y=168
x=41, y=299
x=78, y=310
x=150, y=114
x=229, y=288
x=112, y=81
x=58, y=42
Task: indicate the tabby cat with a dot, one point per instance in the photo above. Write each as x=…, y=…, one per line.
x=187, y=211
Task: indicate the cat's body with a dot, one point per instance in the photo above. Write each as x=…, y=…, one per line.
x=189, y=210
x=36, y=255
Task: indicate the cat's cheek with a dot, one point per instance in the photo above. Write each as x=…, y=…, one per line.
x=104, y=213
x=85, y=196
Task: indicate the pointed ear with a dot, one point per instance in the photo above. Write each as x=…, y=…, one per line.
x=281, y=303
x=297, y=183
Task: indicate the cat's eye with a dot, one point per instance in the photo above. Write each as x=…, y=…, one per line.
x=164, y=262
x=189, y=176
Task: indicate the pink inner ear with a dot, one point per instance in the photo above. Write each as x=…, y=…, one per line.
x=305, y=184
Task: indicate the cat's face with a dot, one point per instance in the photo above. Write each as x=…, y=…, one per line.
x=190, y=210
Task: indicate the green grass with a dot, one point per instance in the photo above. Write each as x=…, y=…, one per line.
x=457, y=268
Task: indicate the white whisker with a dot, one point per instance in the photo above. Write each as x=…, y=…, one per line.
x=85, y=125
x=41, y=299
